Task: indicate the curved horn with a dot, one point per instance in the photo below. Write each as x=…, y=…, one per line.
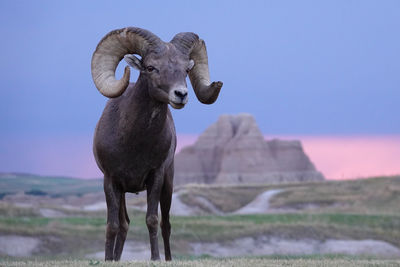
x=190, y=44
x=109, y=52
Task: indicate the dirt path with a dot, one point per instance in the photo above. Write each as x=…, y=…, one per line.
x=260, y=204
x=179, y=208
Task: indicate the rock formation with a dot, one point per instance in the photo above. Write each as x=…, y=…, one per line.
x=233, y=150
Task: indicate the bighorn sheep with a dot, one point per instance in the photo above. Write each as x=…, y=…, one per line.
x=135, y=139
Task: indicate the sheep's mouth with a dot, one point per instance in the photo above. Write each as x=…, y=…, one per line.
x=176, y=105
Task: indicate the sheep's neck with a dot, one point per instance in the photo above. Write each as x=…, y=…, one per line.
x=143, y=113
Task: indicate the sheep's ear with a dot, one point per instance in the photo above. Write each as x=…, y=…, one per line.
x=134, y=62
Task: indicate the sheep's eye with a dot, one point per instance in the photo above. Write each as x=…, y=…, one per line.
x=150, y=68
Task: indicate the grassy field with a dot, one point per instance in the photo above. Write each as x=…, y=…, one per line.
x=347, y=210
x=83, y=235
x=255, y=262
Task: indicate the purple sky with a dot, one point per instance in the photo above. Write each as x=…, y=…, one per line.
x=320, y=68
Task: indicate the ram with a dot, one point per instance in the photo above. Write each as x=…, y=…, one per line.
x=135, y=140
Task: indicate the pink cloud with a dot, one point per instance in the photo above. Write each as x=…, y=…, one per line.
x=349, y=157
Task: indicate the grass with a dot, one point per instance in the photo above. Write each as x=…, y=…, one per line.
x=317, y=226
x=361, y=209
x=377, y=195
x=300, y=262
x=378, y=222
x=77, y=232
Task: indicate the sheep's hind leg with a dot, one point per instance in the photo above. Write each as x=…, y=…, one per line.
x=154, y=185
x=165, y=203
x=113, y=197
x=123, y=229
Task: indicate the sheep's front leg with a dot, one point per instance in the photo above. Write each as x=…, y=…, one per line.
x=123, y=229
x=154, y=184
x=113, y=197
x=165, y=203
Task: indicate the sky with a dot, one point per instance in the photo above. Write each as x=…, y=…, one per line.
x=323, y=69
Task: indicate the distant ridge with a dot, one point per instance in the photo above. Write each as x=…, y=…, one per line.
x=23, y=174
x=15, y=174
x=53, y=186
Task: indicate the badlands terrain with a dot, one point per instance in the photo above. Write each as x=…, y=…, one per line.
x=62, y=218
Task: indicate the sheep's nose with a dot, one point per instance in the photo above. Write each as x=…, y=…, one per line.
x=180, y=94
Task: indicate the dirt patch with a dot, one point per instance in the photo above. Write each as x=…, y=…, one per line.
x=356, y=247
x=18, y=246
x=264, y=245
x=51, y=213
x=96, y=206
